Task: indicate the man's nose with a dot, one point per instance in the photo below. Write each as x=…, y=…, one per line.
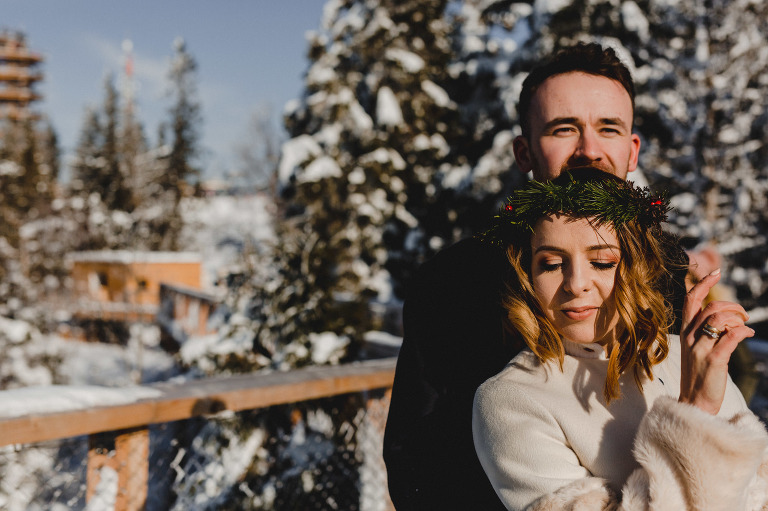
x=589, y=147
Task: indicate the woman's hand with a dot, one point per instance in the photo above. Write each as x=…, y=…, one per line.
x=705, y=355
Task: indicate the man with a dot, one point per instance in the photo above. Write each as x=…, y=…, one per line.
x=575, y=110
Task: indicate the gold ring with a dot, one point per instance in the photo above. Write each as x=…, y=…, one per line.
x=711, y=331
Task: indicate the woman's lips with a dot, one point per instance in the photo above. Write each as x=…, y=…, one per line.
x=579, y=313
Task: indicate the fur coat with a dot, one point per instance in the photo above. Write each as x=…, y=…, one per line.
x=689, y=460
x=547, y=441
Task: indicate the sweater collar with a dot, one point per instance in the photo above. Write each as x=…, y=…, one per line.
x=581, y=350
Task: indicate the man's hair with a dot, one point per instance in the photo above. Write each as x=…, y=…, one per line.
x=590, y=58
x=644, y=316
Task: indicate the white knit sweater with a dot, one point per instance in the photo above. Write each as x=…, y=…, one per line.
x=547, y=440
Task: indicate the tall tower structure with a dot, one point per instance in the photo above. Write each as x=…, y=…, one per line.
x=18, y=75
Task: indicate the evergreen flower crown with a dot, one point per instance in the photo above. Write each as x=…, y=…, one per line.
x=584, y=192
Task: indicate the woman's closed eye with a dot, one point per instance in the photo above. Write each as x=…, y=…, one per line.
x=604, y=265
x=549, y=266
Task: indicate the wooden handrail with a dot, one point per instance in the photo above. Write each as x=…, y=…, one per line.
x=178, y=401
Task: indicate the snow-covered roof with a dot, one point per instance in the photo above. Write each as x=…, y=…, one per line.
x=130, y=256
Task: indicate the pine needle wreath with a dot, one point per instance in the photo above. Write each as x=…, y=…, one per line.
x=607, y=201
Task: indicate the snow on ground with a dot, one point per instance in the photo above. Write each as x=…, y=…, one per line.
x=110, y=365
x=90, y=374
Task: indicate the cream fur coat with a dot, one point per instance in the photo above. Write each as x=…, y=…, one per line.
x=547, y=441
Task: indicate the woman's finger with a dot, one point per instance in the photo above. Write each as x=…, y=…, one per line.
x=694, y=298
x=720, y=321
x=717, y=315
x=727, y=343
x=721, y=307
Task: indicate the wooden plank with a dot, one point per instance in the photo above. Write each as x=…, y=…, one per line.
x=203, y=397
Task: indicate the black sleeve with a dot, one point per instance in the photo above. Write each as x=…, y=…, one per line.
x=676, y=261
x=453, y=341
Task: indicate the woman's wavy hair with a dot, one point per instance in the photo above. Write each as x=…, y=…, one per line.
x=644, y=315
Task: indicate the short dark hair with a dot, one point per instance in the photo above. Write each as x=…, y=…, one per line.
x=590, y=58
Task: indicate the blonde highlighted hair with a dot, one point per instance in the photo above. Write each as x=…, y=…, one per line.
x=644, y=315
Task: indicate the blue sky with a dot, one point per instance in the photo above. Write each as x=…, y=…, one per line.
x=250, y=54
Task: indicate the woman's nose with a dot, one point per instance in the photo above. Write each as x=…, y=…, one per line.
x=575, y=280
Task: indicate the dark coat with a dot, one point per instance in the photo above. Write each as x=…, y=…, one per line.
x=455, y=340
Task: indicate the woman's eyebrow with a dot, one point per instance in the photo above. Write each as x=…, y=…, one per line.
x=601, y=247
x=591, y=248
x=548, y=248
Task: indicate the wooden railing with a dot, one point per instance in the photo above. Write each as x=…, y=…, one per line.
x=125, y=427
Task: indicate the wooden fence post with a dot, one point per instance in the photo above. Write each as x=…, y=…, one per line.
x=377, y=407
x=132, y=458
x=100, y=455
x=127, y=453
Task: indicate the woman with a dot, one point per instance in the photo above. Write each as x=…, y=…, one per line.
x=605, y=410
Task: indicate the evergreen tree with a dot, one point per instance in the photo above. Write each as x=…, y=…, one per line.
x=97, y=168
x=185, y=117
x=88, y=163
x=22, y=182
x=134, y=156
x=49, y=162
x=112, y=185
x=700, y=107
x=372, y=141
x=27, y=181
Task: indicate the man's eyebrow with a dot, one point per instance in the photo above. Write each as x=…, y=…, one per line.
x=613, y=121
x=610, y=121
x=560, y=120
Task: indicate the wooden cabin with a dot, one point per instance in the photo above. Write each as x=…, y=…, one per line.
x=125, y=285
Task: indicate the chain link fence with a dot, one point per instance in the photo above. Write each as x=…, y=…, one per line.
x=323, y=454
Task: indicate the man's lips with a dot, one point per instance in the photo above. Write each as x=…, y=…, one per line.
x=579, y=313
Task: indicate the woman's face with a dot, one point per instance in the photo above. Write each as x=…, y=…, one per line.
x=573, y=271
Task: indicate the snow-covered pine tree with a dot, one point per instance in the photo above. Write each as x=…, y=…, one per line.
x=132, y=147
x=699, y=69
x=184, y=128
x=49, y=162
x=87, y=163
x=112, y=186
x=720, y=70
x=372, y=130
x=27, y=182
x=97, y=167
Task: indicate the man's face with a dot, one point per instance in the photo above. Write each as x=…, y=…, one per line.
x=578, y=119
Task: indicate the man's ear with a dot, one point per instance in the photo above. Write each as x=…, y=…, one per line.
x=522, y=149
x=634, y=153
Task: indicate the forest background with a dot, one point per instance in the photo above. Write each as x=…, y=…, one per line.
x=399, y=145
